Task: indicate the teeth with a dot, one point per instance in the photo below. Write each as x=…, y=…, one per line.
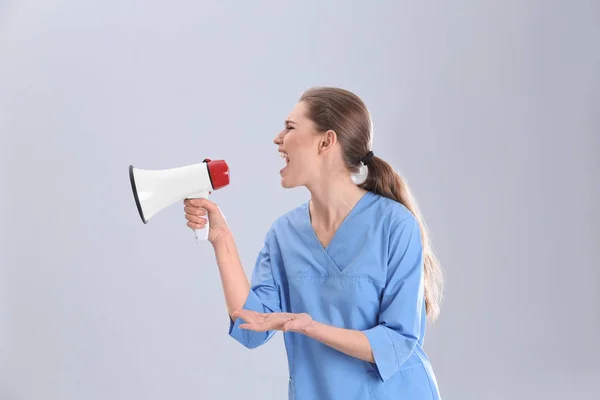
x=283, y=155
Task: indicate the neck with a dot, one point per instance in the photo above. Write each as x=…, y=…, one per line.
x=332, y=198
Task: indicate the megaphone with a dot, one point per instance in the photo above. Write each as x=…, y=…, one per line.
x=154, y=190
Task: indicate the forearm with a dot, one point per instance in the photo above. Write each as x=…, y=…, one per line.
x=233, y=279
x=351, y=342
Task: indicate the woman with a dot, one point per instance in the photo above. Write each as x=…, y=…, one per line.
x=349, y=276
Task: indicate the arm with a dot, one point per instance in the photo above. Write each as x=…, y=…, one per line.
x=262, y=295
x=401, y=313
x=349, y=341
x=233, y=279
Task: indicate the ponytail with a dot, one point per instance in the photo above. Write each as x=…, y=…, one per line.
x=383, y=180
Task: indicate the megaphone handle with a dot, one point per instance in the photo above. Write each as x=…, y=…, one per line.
x=201, y=234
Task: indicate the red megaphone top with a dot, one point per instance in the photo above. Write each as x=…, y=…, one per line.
x=218, y=171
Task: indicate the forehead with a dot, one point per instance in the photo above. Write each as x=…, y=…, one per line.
x=298, y=113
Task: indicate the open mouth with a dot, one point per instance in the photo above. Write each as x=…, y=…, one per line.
x=285, y=157
x=287, y=161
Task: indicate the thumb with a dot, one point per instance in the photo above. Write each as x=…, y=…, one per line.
x=289, y=325
x=215, y=214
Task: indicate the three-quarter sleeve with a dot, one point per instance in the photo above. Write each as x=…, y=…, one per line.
x=263, y=297
x=396, y=335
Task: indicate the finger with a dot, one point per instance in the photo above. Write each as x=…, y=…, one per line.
x=289, y=325
x=257, y=317
x=194, y=210
x=250, y=327
x=196, y=226
x=249, y=315
x=264, y=326
x=195, y=219
x=193, y=215
x=204, y=203
x=252, y=317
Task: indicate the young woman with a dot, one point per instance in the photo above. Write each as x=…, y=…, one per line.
x=349, y=276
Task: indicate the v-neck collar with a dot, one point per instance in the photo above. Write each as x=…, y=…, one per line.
x=312, y=234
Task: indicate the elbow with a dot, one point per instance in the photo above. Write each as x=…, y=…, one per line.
x=390, y=350
x=371, y=358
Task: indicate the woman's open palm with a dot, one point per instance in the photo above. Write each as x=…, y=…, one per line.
x=262, y=322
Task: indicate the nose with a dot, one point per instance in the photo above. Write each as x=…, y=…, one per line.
x=278, y=139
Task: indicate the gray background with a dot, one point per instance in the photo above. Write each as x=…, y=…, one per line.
x=489, y=109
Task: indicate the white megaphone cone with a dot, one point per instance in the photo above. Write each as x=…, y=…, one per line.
x=154, y=190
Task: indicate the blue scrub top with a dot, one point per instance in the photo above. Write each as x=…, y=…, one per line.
x=368, y=278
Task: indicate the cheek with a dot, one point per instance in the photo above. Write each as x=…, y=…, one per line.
x=304, y=159
x=303, y=147
x=304, y=167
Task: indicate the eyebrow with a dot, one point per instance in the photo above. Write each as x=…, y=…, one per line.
x=287, y=121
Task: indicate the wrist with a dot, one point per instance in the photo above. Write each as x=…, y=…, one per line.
x=223, y=237
x=312, y=329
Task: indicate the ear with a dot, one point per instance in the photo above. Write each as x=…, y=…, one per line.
x=328, y=140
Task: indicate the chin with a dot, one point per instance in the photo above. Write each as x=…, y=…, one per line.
x=287, y=183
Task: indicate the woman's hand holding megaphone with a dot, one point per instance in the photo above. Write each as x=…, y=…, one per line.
x=196, y=211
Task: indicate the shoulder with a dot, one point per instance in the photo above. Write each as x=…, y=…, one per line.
x=402, y=230
x=398, y=225
x=288, y=219
x=393, y=212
